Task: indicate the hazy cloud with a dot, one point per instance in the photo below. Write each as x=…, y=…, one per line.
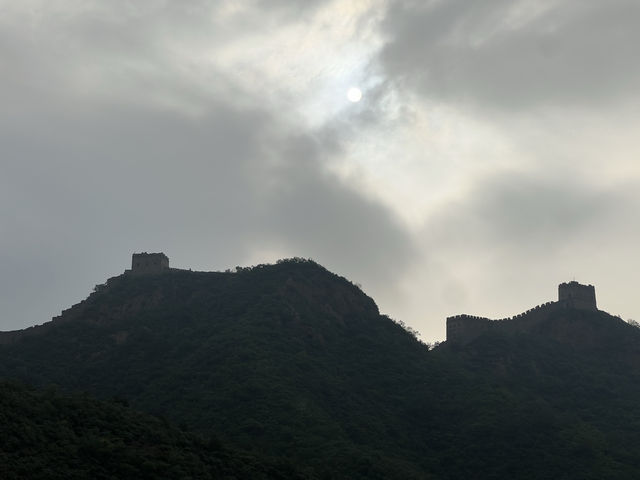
x=514, y=55
x=111, y=144
x=517, y=212
x=493, y=138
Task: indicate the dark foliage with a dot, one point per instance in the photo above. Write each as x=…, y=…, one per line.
x=47, y=435
x=291, y=361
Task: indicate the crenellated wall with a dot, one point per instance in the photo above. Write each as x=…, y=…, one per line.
x=576, y=295
x=462, y=329
x=149, y=263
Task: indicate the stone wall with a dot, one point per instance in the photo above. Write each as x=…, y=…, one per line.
x=462, y=329
x=576, y=295
x=149, y=263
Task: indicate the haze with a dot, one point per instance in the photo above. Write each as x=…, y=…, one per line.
x=493, y=154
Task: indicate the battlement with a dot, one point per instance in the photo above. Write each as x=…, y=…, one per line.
x=149, y=263
x=576, y=295
x=462, y=329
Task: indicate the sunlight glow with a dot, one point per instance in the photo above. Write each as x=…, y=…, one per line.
x=354, y=94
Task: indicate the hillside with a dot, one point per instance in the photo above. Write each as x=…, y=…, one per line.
x=47, y=435
x=292, y=361
x=595, y=336
x=281, y=358
x=559, y=401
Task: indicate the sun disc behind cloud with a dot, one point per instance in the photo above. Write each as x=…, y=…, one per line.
x=354, y=94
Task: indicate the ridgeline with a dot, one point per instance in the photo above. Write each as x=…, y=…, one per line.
x=290, y=361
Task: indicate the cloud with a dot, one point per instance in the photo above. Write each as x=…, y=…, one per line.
x=503, y=244
x=113, y=143
x=494, y=138
x=524, y=214
x=314, y=212
x=515, y=55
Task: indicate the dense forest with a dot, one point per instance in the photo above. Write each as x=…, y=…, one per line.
x=49, y=435
x=291, y=363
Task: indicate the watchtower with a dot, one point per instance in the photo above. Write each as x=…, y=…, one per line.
x=149, y=263
x=576, y=295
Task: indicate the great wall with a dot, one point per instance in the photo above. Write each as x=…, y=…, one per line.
x=462, y=329
x=141, y=264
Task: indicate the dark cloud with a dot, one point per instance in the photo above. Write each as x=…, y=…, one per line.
x=528, y=215
x=109, y=147
x=152, y=125
x=315, y=213
x=503, y=245
x=208, y=191
x=495, y=54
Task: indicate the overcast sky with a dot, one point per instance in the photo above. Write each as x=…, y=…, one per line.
x=493, y=155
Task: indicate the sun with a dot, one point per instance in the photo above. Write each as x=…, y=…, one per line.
x=354, y=94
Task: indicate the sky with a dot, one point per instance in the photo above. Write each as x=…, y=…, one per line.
x=493, y=154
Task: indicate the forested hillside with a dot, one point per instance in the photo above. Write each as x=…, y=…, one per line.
x=48, y=435
x=291, y=361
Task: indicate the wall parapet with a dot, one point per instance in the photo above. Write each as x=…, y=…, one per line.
x=463, y=328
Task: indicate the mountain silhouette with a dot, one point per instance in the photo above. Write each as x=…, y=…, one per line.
x=290, y=361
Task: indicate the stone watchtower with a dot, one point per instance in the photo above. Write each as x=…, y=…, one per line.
x=146, y=263
x=576, y=295
x=463, y=329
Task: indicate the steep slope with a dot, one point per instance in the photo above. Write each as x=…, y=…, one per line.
x=292, y=361
x=558, y=401
x=284, y=359
x=594, y=338
x=46, y=435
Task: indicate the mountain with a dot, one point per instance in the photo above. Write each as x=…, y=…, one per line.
x=291, y=361
x=48, y=435
x=557, y=401
x=286, y=360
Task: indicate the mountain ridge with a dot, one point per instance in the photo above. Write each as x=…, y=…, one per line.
x=268, y=336
x=291, y=360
